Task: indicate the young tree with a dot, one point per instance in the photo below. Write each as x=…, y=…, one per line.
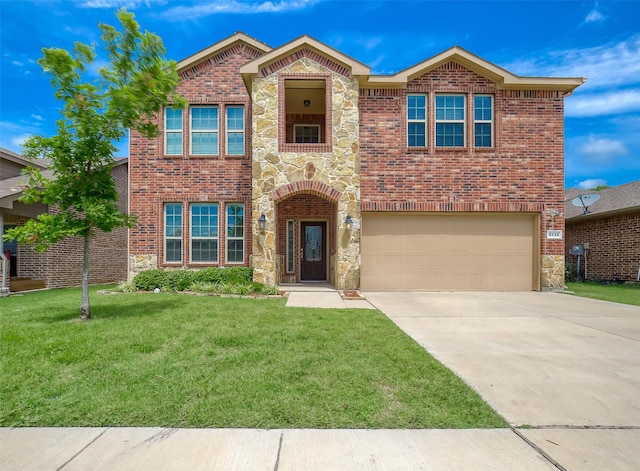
x=131, y=89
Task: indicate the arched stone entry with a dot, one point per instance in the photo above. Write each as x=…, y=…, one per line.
x=302, y=219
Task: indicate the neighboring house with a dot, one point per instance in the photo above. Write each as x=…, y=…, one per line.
x=300, y=163
x=609, y=233
x=61, y=264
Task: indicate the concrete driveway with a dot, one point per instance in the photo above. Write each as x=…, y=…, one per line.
x=569, y=367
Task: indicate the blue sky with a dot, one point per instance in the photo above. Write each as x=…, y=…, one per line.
x=596, y=40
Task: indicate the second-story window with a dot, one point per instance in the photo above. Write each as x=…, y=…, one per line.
x=483, y=120
x=305, y=110
x=416, y=120
x=450, y=121
x=172, y=131
x=204, y=130
x=235, y=130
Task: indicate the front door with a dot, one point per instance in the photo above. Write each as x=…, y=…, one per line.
x=313, y=266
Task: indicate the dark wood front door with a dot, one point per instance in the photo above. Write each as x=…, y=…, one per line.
x=313, y=266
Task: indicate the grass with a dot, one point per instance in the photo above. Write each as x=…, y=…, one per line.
x=175, y=360
x=625, y=294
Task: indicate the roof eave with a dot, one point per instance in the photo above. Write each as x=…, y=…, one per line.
x=615, y=212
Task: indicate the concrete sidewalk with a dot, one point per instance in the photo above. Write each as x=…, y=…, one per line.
x=321, y=295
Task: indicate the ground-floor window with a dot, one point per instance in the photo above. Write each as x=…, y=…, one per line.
x=235, y=233
x=173, y=232
x=204, y=232
x=290, y=246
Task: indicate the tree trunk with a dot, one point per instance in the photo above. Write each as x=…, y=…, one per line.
x=85, y=310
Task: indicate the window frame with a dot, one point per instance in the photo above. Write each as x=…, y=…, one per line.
x=215, y=238
x=178, y=238
x=229, y=132
x=491, y=122
x=168, y=131
x=424, y=121
x=229, y=238
x=215, y=131
x=462, y=121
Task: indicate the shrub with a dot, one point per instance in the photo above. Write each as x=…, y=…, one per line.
x=569, y=271
x=149, y=280
x=126, y=287
x=178, y=280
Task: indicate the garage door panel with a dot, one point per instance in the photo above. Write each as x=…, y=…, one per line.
x=447, y=252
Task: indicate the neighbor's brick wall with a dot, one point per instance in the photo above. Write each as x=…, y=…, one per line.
x=614, y=246
x=61, y=264
x=523, y=172
x=156, y=179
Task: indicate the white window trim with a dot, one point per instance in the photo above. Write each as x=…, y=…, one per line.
x=450, y=121
x=172, y=131
x=423, y=121
x=298, y=126
x=227, y=238
x=485, y=121
x=291, y=240
x=191, y=131
x=227, y=131
x=166, y=238
x=191, y=238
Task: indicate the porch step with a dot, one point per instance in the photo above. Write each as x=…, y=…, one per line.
x=26, y=284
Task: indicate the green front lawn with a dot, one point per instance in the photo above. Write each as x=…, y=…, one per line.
x=625, y=294
x=176, y=360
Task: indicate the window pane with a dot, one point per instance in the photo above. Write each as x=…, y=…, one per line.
x=173, y=252
x=450, y=134
x=204, y=220
x=204, y=118
x=482, y=107
x=416, y=107
x=173, y=119
x=235, y=118
x=235, y=252
x=204, y=143
x=290, y=247
x=307, y=134
x=483, y=134
x=235, y=143
x=204, y=250
x=174, y=143
x=416, y=134
x=173, y=220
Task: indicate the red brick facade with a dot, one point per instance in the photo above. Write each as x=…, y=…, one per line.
x=522, y=171
x=614, y=246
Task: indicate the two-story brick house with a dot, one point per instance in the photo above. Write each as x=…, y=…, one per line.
x=299, y=162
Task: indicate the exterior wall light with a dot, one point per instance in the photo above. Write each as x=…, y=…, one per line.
x=262, y=222
x=348, y=223
x=306, y=103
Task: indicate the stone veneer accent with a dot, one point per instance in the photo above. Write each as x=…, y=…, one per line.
x=552, y=272
x=338, y=168
x=139, y=263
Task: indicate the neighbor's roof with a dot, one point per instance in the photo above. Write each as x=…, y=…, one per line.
x=616, y=199
x=6, y=154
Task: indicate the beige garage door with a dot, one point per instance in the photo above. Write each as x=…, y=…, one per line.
x=449, y=252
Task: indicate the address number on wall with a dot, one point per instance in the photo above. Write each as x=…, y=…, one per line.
x=554, y=234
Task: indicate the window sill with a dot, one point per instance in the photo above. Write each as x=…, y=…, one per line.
x=452, y=149
x=236, y=157
x=203, y=156
x=418, y=150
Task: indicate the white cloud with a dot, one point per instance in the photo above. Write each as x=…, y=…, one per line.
x=594, y=16
x=600, y=151
x=203, y=9
x=601, y=104
x=17, y=63
x=37, y=117
x=14, y=134
x=592, y=183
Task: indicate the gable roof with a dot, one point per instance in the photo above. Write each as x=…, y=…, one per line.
x=220, y=46
x=6, y=154
x=252, y=69
x=614, y=200
x=503, y=78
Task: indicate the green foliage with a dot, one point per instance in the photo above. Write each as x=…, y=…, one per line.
x=569, y=271
x=599, y=187
x=628, y=293
x=149, y=280
x=233, y=280
x=134, y=85
x=127, y=287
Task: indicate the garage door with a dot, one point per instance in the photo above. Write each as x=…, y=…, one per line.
x=449, y=252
